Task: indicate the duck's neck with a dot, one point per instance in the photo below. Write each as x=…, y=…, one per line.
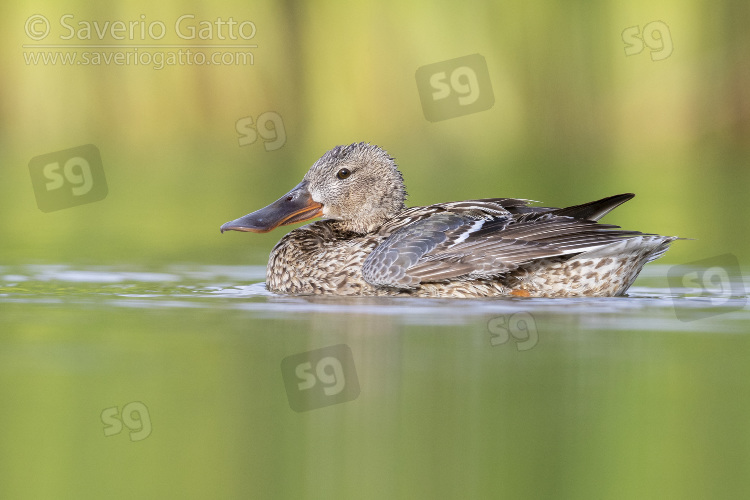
x=361, y=226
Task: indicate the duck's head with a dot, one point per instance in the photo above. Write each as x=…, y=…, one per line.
x=358, y=185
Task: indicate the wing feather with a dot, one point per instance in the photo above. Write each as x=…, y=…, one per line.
x=482, y=239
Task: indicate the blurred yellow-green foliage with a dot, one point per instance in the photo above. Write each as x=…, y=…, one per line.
x=574, y=118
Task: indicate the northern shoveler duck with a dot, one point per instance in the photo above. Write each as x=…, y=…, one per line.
x=370, y=244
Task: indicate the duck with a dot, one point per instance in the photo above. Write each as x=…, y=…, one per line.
x=369, y=243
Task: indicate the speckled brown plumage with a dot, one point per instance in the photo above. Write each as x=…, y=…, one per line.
x=371, y=244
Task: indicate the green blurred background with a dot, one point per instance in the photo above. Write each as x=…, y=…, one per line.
x=574, y=119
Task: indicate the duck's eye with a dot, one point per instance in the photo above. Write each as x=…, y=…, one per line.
x=343, y=173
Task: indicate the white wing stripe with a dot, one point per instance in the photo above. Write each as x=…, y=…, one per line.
x=474, y=227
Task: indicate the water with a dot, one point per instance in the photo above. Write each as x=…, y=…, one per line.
x=195, y=382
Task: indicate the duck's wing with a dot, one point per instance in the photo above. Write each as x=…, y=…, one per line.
x=461, y=242
x=593, y=210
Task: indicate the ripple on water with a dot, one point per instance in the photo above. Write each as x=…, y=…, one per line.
x=655, y=307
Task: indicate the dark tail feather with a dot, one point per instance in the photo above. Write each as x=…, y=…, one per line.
x=595, y=210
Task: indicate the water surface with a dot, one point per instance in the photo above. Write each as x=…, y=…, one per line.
x=192, y=381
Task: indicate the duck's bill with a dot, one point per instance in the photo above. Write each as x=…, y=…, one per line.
x=295, y=206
